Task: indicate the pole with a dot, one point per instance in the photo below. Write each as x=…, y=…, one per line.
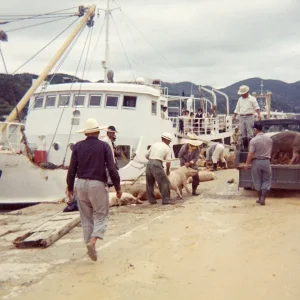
x=106, y=42
x=22, y=103
x=268, y=98
x=227, y=100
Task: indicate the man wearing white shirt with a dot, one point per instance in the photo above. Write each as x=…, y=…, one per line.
x=157, y=154
x=246, y=107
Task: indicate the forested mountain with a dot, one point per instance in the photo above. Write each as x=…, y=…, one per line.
x=285, y=96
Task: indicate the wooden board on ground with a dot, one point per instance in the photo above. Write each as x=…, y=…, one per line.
x=49, y=232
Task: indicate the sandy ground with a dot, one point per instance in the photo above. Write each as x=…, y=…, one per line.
x=218, y=246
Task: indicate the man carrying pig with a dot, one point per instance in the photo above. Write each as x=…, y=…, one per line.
x=189, y=156
x=158, y=153
x=259, y=154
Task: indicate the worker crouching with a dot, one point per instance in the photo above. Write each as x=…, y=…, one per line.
x=189, y=156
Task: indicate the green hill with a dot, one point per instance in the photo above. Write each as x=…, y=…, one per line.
x=13, y=88
x=285, y=96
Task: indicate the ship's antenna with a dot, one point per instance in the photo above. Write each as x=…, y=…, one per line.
x=105, y=63
x=262, y=87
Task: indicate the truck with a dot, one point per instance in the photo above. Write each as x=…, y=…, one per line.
x=284, y=177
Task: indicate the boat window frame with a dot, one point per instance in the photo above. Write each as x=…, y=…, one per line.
x=97, y=95
x=35, y=101
x=50, y=107
x=78, y=95
x=63, y=95
x=153, y=113
x=129, y=107
x=112, y=107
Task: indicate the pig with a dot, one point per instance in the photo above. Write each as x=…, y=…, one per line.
x=124, y=200
x=204, y=176
x=139, y=191
x=179, y=177
x=288, y=142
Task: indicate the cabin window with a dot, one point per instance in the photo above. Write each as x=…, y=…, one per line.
x=50, y=101
x=129, y=102
x=95, y=100
x=64, y=100
x=112, y=101
x=78, y=100
x=38, y=102
x=154, y=108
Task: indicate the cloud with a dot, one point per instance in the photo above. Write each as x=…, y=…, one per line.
x=209, y=42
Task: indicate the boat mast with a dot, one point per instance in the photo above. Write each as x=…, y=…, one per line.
x=106, y=42
x=22, y=103
x=105, y=63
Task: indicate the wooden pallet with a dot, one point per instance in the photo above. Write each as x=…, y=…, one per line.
x=49, y=232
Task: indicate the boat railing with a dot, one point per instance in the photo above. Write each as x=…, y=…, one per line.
x=11, y=137
x=210, y=125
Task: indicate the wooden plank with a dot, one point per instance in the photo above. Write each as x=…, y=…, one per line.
x=48, y=232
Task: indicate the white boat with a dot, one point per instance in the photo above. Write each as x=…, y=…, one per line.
x=57, y=112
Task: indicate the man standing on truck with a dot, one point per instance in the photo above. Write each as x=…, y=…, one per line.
x=246, y=107
x=260, y=154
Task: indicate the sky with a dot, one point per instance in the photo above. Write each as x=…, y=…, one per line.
x=208, y=42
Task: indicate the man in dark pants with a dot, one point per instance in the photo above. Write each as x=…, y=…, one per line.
x=189, y=156
x=246, y=107
x=89, y=161
x=158, y=153
x=260, y=154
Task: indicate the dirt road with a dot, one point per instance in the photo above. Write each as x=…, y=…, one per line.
x=218, y=246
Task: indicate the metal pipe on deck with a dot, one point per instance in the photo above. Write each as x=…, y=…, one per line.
x=227, y=100
x=214, y=98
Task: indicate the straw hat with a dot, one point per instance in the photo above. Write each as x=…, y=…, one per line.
x=167, y=136
x=244, y=89
x=192, y=140
x=91, y=126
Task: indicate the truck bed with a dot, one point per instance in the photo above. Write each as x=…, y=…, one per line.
x=285, y=177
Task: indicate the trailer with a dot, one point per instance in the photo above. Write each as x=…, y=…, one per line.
x=286, y=177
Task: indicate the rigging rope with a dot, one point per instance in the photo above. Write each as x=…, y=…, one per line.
x=56, y=70
x=124, y=49
x=42, y=23
x=84, y=67
x=87, y=54
x=94, y=51
x=7, y=21
x=27, y=17
x=44, y=47
x=70, y=93
x=3, y=60
x=164, y=58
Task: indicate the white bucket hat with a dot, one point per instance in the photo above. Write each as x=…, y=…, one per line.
x=90, y=126
x=192, y=140
x=167, y=136
x=244, y=89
